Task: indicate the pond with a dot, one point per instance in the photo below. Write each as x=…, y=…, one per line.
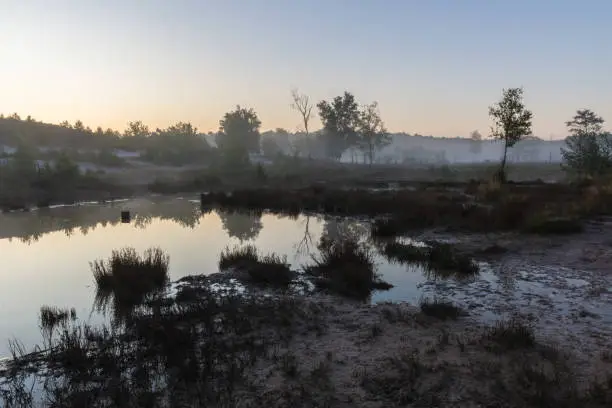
x=46, y=255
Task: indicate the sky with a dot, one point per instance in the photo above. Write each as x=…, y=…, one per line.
x=433, y=66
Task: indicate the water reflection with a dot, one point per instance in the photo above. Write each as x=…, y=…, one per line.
x=242, y=225
x=46, y=253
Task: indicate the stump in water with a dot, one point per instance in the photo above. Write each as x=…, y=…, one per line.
x=125, y=217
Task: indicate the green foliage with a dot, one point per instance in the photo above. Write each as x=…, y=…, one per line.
x=340, y=120
x=372, y=134
x=511, y=121
x=239, y=135
x=588, y=150
x=178, y=144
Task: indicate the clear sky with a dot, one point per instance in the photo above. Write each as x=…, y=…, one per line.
x=434, y=66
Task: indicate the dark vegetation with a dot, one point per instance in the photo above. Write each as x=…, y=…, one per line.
x=166, y=354
x=346, y=268
x=440, y=259
x=23, y=183
x=268, y=269
x=128, y=278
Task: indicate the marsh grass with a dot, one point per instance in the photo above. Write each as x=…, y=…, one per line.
x=440, y=309
x=270, y=269
x=128, y=271
x=346, y=268
x=238, y=256
x=192, y=353
x=127, y=279
x=511, y=334
x=441, y=260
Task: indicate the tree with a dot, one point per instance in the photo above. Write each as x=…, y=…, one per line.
x=475, y=142
x=340, y=120
x=302, y=104
x=78, y=125
x=137, y=129
x=588, y=150
x=270, y=147
x=66, y=124
x=239, y=134
x=372, y=133
x=511, y=122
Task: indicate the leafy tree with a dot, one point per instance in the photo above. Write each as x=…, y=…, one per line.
x=340, y=120
x=239, y=134
x=137, y=129
x=78, y=125
x=66, y=124
x=588, y=150
x=475, y=142
x=373, y=135
x=511, y=122
x=178, y=144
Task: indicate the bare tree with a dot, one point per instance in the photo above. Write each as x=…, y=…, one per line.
x=302, y=104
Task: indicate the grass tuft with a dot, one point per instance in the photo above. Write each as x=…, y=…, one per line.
x=347, y=268
x=511, y=335
x=270, y=269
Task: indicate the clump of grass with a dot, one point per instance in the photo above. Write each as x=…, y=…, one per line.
x=268, y=269
x=238, y=256
x=128, y=273
x=439, y=309
x=511, y=334
x=554, y=226
x=440, y=258
x=347, y=268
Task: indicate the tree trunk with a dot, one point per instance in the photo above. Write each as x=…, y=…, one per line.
x=502, y=170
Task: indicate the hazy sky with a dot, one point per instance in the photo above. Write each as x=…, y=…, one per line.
x=434, y=66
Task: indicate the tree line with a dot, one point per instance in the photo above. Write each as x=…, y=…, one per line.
x=347, y=125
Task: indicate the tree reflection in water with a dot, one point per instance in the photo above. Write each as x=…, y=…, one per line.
x=242, y=225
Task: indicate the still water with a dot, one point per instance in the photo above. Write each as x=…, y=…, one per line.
x=46, y=253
